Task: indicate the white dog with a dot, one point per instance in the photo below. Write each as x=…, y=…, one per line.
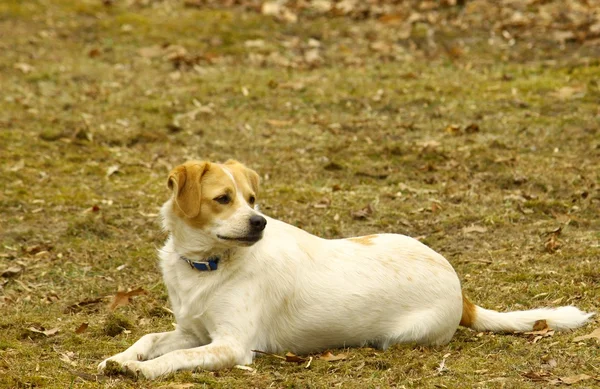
x=239, y=281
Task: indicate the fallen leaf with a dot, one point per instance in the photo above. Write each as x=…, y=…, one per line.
x=537, y=376
x=575, y=378
x=592, y=335
x=122, y=298
x=112, y=170
x=552, y=244
x=242, y=367
x=12, y=272
x=540, y=325
x=68, y=358
x=291, y=357
x=472, y=128
x=329, y=357
x=82, y=328
x=363, y=213
x=473, y=228
x=50, y=332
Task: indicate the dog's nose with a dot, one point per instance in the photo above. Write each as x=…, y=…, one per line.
x=257, y=223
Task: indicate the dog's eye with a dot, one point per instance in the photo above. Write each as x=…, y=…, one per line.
x=252, y=200
x=224, y=199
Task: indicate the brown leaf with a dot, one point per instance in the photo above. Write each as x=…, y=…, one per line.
x=537, y=376
x=575, y=378
x=552, y=244
x=472, y=128
x=363, y=213
x=122, y=297
x=592, y=335
x=329, y=357
x=81, y=329
x=12, y=272
x=291, y=357
x=540, y=325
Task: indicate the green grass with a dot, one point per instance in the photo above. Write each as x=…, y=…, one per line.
x=360, y=127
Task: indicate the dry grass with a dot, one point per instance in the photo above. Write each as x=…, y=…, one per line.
x=357, y=124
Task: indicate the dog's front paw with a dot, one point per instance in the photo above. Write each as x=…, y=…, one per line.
x=146, y=369
x=110, y=367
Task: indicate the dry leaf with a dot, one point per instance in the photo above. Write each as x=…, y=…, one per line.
x=50, y=332
x=474, y=228
x=593, y=335
x=363, y=213
x=538, y=376
x=122, y=298
x=540, y=325
x=82, y=328
x=472, y=128
x=112, y=170
x=12, y=271
x=575, y=378
x=291, y=357
x=329, y=357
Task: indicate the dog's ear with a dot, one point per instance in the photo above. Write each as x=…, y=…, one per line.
x=252, y=177
x=185, y=182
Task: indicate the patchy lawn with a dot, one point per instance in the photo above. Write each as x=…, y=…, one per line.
x=480, y=139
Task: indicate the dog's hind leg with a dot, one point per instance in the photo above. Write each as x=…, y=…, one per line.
x=153, y=345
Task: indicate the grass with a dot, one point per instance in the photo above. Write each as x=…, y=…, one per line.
x=359, y=126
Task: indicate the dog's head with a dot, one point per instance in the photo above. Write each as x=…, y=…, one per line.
x=218, y=200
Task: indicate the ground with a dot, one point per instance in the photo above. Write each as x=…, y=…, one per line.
x=473, y=126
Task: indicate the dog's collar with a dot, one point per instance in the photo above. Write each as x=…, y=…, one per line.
x=209, y=264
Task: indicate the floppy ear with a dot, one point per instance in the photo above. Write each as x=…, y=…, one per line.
x=254, y=179
x=185, y=184
x=251, y=175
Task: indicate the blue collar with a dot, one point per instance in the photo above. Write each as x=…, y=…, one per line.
x=211, y=263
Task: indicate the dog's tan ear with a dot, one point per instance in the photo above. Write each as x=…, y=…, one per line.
x=251, y=175
x=185, y=183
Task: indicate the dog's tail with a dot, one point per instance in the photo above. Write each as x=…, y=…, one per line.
x=481, y=319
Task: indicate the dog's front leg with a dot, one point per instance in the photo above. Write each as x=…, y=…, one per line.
x=153, y=345
x=217, y=355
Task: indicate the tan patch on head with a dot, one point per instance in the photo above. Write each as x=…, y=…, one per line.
x=246, y=179
x=196, y=185
x=468, y=312
x=364, y=240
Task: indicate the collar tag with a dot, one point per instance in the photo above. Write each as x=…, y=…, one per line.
x=211, y=263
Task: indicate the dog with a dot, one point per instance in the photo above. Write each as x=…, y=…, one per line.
x=240, y=281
